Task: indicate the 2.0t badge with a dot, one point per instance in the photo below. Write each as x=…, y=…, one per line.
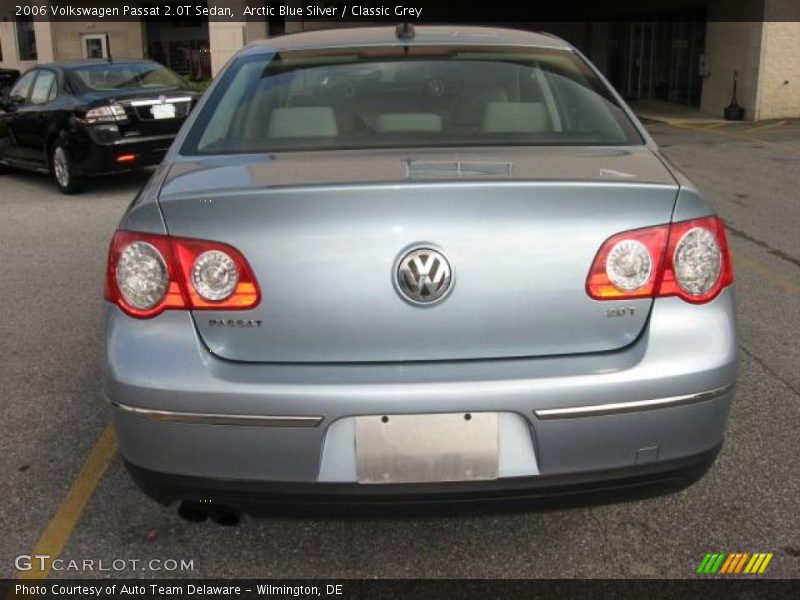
x=423, y=276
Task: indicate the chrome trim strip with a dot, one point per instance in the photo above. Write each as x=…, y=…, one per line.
x=157, y=101
x=219, y=419
x=597, y=410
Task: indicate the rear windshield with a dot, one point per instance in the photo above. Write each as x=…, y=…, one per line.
x=125, y=76
x=408, y=97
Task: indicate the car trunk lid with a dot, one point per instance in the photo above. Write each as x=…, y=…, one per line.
x=324, y=233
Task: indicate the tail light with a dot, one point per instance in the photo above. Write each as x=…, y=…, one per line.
x=148, y=273
x=689, y=259
x=105, y=114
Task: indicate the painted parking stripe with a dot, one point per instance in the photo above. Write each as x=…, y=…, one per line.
x=759, y=269
x=738, y=136
x=765, y=127
x=59, y=529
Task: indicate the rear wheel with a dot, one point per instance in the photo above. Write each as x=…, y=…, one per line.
x=63, y=172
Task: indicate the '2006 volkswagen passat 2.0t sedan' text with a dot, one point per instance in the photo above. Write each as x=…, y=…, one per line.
x=433, y=263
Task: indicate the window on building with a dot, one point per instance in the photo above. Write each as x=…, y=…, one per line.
x=26, y=38
x=95, y=45
x=276, y=26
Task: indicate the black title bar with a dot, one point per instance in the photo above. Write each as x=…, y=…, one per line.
x=387, y=11
x=711, y=588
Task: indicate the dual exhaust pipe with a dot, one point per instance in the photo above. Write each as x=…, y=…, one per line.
x=197, y=512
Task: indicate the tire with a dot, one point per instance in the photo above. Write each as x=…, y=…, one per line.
x=61, y=169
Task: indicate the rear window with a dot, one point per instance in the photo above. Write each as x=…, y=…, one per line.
x=408, y=97
x=125, y=76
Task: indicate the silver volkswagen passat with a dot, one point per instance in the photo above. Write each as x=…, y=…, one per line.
x=398, y=264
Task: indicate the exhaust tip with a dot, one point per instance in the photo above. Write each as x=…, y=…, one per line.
x=227, y=517
x=192, y=512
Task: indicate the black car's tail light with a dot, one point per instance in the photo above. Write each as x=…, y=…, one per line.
x=112, y=113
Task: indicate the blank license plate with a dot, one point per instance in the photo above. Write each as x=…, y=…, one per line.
x=426, y=448
x=163, y=111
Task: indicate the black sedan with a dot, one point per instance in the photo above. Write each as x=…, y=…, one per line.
x=79, y=119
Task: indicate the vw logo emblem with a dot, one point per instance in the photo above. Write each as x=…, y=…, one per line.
x=423, y=276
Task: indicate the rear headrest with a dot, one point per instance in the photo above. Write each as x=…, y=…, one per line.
x=515, y=117
x=302, y=121
x=409, y=123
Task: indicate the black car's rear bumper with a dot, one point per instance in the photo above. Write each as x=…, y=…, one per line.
x=592, y=487
x=101, y=155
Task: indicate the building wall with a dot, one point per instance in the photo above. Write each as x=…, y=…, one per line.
x=62, y=41
x=763, y=47
x=227, y=37
x=779, y=81
x=732, y=46
x=8, y=39
x=125, y=38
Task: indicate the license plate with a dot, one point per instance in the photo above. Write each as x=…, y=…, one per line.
x=426, y=448
x=163, y=111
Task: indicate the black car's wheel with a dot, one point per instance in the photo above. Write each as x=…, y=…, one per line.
x=62, y=171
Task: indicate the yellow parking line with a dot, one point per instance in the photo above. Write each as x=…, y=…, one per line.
x=764, y=272
x=738, y=136
x=715, y=125
x=59, y=529
x=763, y=127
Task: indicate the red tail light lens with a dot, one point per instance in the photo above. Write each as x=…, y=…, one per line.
x=698, y=262
x=203, y=269
x=148, y=273
x=688, y=259
x=626, y=259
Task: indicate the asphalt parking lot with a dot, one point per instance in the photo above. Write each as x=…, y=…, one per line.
x=52, y=255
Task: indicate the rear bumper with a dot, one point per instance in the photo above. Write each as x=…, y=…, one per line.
x=97, y=154
x=160, y=365
x=595, y=487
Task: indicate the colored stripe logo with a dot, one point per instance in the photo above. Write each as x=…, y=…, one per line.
x=734, y=563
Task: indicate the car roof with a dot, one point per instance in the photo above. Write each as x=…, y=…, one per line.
x=423, y=35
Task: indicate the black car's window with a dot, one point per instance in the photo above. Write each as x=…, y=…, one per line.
x=124, y=76
x=53, y=90
x=421, y=96
x=41, y=89
x=19, y=93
